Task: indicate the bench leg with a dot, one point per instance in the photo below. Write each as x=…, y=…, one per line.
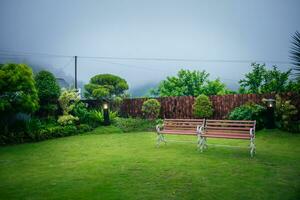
x=252, y=147
x=201, y=143
x=160, y=138
x=205, y=143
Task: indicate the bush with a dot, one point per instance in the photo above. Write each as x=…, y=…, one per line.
x=67, y=102
x=134, y=124
x=249, y=111
x=151, y=108
x=48, y=92
x=284, y=112
x=98, y=116
x=67, y=120
x=203, y=107
x=81, y=111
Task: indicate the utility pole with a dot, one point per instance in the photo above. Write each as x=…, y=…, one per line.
x=76, y=72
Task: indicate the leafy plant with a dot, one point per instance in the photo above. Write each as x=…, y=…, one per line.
x=67, y=119
x=284, y=112
x=295, y=54
x=48, y=92
x=249, y=111
x=202, y=107
x=151, y=108
x=99, y=115
x=67, y=101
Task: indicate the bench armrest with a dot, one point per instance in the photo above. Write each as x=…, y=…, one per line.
x=200, y=129
x=159, y=127
x=252, y=132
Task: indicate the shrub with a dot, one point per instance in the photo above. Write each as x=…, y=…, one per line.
x=249, y=111
x=203, y=107
x=134, y=124
x=151, y=108
x=67, y=102
x=67, y=119
x=284, y=112
x=98, y=116
x=81, y=111
x=48, y=92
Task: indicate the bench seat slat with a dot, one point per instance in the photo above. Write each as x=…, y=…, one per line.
x=226, y=128
x=227, y=131
x=178, y=132
x=226, y=136
x=233, y=121
x=229, y=124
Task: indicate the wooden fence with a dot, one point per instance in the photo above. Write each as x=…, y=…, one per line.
x=182, y=107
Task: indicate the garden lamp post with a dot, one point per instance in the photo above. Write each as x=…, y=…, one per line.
x=106, y=114
x=270, y=119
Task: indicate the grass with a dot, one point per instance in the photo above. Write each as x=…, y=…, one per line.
x=115, y=165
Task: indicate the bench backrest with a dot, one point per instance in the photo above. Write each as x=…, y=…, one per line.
x=182, y=124
x=229, y=126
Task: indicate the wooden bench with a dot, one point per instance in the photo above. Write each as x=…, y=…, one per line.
x=228, y=129
x=179, y=127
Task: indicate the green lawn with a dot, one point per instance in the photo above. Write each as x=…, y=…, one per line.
x=128, y=166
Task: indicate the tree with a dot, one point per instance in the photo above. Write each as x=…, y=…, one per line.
x=48, y=91
x=189, y=83
x=260, y=80
x=295, y=53
x=105, y=86
x=17, y=89
x=275, y=81
x=216, y=87
x=254, y=80
x=203, y=107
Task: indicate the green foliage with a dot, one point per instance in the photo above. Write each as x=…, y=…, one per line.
x=67, y=102
x=17, y=89
x=202, y=107
x=249, y=111
x=67, y=119
x=261, y=80
x=215, y=87
x=295, y=54
x=98, y=116
x=134, y=124
x=189, y=83
x=151, y=108
x=106, y=86
x=48, y=92
x=284, y=112
x=81, y=111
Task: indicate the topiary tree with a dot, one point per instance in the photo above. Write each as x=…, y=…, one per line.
x=202, y=107
x=48, y=92
x=106, y=86
x=151, y=108
x=17, y=89
x=67, y=102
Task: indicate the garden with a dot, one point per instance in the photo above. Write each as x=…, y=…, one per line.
x=112, y=152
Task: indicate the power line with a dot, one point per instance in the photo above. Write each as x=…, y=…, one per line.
x=19, y=53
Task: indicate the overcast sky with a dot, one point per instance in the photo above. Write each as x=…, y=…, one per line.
x=256, y=30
